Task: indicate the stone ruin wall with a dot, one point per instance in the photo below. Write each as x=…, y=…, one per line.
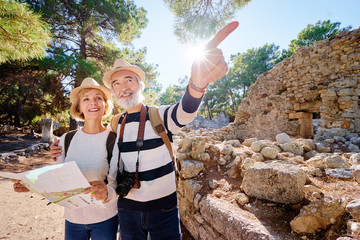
x=320, y=82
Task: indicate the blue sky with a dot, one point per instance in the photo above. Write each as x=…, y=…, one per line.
x=261, y=22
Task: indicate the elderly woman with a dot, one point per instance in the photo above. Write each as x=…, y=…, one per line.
x=90, y=102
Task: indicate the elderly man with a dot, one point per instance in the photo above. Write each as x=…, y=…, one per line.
x=143, y=174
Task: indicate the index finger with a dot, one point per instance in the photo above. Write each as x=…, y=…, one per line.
x=221, y=35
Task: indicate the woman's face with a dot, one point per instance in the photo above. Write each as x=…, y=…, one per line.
x=92, y=104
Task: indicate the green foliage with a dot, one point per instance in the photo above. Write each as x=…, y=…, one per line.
x=28, y=91
x=174, y=92
x=88, y=30
x=85, y=34
x=201, y=19
x=23, y=35
x=247, y=67
x=172, y=95
x=311, y=34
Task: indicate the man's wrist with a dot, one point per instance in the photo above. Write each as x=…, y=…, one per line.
x=196, y=88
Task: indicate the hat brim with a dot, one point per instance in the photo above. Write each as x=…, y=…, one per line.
x=136, y=70
x=75, y=92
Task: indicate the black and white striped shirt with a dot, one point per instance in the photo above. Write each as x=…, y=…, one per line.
x=156, y=170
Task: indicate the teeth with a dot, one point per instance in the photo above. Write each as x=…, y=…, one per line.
x=127, y=93
x=94, y=110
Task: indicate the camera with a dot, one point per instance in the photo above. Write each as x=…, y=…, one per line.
x=125, y=181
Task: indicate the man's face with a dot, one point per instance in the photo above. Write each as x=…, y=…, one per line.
x=126, y=89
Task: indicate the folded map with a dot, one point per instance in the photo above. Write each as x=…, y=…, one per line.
x=59, y=183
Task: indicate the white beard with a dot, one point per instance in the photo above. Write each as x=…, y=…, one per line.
x=133, y=101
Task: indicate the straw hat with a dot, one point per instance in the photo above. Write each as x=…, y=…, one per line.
x=88, y=83
x=119, y=65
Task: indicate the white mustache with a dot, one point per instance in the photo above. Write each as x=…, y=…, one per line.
x=126, y=92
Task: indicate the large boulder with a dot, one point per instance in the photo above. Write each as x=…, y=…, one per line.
x=277, y=182
x=232, y=222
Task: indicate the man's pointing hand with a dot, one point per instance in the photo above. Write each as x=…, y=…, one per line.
x=212, y=66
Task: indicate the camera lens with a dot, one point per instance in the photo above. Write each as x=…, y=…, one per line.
x=125, y=185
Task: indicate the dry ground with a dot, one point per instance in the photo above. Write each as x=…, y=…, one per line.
x=28, y=215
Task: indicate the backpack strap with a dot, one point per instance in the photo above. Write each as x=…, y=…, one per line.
x=114, y=122
x=68, y=137
x=158, y=126
x=110, y=142
x=110, y=145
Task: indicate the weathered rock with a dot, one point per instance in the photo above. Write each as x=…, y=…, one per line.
x=344, y=238
x=185, y=145
x=344, y=173
x=354, y=208
x=258, y=157
x=247, y=162
x=222, y=161
x=318, y=161
x=213, y=184
x=310, y=189
x=213, y=149
x=321, y=148
x=227, y=149
x=293, y=148
x=356, y=173
x=317, y=215
x=47, y=130
x=249, y=141
x=234, y=143
x=283, y=138
x=234, y=168
x=189, y=188
x=332, y=132
x=353, y=229
x=310, y=154
x=269, y=152
x=227, y=157
x=199, y=144
x=217, y=122
x=201, y=156
x=228, y=219
x=307, y=144
x=182, y=156
x=258, y=145
x=335, y=161
x=282, y=183
x=315, y=172
x=241, y=199
x=353, y=148
x=190, y=169
x=355, y=159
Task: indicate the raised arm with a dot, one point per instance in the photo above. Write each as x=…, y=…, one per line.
x=212, y=66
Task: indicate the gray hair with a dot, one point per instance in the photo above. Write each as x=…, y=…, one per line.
x=140, y=83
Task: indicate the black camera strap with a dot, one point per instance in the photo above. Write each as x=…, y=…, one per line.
x=139, y=140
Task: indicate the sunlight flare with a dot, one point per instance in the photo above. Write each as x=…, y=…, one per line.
x=195, y=52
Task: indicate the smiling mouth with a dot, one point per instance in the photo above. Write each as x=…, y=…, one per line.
x=93, y=110
x=126, y=94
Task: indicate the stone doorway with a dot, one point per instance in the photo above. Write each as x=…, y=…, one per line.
x=305, y=113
